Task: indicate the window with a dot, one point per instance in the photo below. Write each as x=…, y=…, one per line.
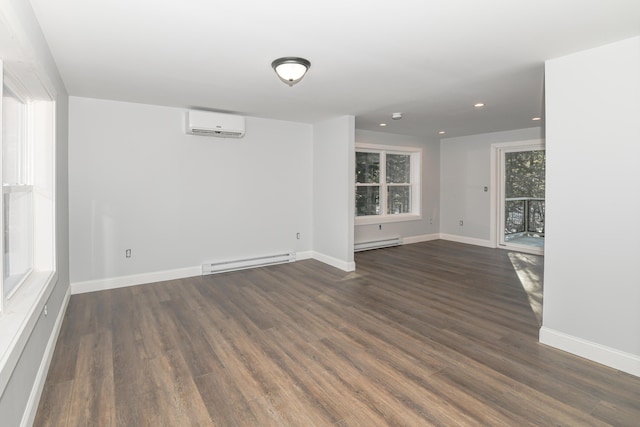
x=387, y=183
x=27, y=203
x=17, y=212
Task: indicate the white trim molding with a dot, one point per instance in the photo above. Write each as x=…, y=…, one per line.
x=17, y=325
x=304, y=255
x=36, y=391
x=468, y=240
x=422, y=238
x=616, y=359
x=134, y=280
x=183, y=273
x=334, y=262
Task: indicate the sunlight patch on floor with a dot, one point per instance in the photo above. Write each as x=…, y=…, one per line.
x=529, y=271
x=352, y=275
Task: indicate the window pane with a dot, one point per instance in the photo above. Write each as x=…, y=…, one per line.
x=398, y=168
x=13, y=141
x=367, y=168
x=514, y=216
x=367, y=200
x=18, y=238
x=399, y=200
x=524, y=174
x=17, y=194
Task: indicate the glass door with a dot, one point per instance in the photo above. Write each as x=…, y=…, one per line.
x=521, y=222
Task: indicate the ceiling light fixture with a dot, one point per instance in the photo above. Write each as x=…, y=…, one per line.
x=382, y=125
x=442, y=132
x=291, y=69
x=396, y=116
x=478, y=105
x=535, y=119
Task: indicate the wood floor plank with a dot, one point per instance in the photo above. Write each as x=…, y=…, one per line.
x=176, y=392
x=92, y=401
x=54, y=411
x=434, y=333
x=620, y=414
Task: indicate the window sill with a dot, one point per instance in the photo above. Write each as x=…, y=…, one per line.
x=18, y=319
x=375, y=219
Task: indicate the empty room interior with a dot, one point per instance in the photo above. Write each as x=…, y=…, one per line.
x=320, y=214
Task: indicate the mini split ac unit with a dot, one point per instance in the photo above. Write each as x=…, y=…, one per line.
x=206, y=123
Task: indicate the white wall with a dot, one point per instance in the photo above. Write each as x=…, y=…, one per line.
x=592, y=250
x=138, y=182
x=26, y=51
x=333, y=191
x=429, y=225
x=465, y=169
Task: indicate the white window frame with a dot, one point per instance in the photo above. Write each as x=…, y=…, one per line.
x=415, y=154
x=20, y=311
x=24, y=184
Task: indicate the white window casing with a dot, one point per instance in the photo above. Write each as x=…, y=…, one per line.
x=384, y=215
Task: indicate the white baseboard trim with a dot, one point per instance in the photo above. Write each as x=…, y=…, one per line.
x=31, y=410
x=300, y=256
x=334, y=262
x=620, y=360
x=134, y=279
x=422, y=238
x=161, y=276
x=467, y=240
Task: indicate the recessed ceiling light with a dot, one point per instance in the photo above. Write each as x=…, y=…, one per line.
x=383, y=124
x=536, y=118
x=478, y=105
x=396, y=116
x=442, y=132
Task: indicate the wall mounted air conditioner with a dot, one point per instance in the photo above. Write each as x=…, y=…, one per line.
x=206, y=123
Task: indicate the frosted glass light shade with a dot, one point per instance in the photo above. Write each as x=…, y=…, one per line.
x=291, y=70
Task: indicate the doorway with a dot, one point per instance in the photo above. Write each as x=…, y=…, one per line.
x=521, y=196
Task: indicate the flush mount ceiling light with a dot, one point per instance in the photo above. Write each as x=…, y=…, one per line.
x=479, y=105
x=291, y=69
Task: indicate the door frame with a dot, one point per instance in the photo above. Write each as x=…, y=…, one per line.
x=497, y=194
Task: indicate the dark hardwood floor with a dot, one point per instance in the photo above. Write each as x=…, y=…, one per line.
x=434, y=333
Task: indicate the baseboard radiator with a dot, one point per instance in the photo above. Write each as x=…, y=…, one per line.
x=241, y=264
x=377, y=244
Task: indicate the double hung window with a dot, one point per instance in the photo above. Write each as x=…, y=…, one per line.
x=387, y=183
x=27, y=207
x=17, y=191
x=27, y=204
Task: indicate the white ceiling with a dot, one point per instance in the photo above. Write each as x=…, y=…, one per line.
x=430, y=59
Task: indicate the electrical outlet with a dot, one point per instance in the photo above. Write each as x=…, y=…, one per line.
x=127, y=253
x=461, y=223
x=298, y=236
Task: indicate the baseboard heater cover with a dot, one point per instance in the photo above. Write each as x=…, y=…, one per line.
x=376, y=244
x=241, y=264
